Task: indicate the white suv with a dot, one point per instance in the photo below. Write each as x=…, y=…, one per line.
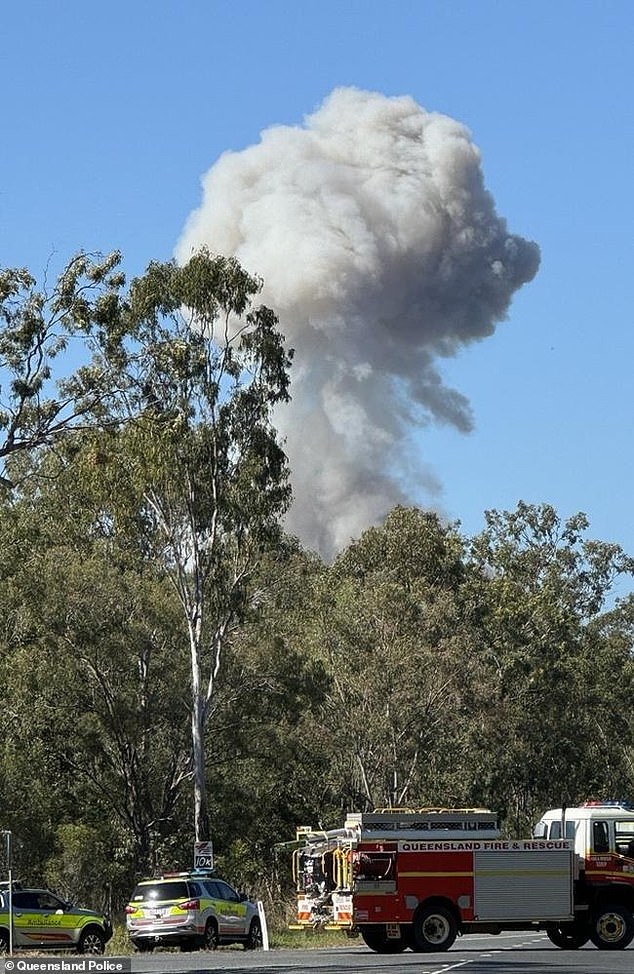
x=191, y=910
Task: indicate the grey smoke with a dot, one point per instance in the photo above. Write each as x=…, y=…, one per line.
x=381, y=252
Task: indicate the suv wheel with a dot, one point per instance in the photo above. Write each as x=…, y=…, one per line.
x=254, y=937
x=91, y=942
x=4, y=942
x=210, y=936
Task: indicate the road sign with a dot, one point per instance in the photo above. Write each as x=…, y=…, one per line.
x=203, y=855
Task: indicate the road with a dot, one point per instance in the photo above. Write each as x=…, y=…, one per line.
x=508, y=953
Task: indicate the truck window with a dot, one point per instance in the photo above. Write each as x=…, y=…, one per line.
x=624, y=838
x=555, y=829
x=373, y=865
x=600, y=837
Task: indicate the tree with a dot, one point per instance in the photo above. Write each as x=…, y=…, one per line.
x=395, y=635
x=92, y=653
x=607, y=664
x=267, y=768
x=542, y=586
x=97, y=667
x=200, y=469
x=81, y=316
x=172, y=402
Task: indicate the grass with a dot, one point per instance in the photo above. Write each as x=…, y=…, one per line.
x=307, y=939
x=280, y=938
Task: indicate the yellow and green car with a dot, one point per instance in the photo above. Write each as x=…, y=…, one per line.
x=44, y=921
x=192, y=911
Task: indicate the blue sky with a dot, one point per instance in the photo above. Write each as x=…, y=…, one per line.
x=114, y=112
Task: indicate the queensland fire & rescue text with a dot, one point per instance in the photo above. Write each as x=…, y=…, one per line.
x=484, y=846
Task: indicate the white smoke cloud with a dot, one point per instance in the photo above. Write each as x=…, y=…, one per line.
x=381, y=252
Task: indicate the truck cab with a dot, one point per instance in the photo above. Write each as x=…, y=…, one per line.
x=601, y=830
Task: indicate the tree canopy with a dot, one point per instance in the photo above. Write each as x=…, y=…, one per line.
x=79, y=319
x=173, y=666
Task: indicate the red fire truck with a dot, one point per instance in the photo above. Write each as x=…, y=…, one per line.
x=418, y=878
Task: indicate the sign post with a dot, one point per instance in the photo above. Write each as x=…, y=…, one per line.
x=7, y=836
x=203, y=855
x=263, y=926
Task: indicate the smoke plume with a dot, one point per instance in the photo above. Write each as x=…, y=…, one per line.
x=381, y=253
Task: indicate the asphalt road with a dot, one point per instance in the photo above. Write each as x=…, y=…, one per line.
x=508, y=953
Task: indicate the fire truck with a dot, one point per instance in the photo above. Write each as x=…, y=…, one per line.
x=418, y=878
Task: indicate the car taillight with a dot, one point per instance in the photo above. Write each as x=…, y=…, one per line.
x=130, y=909
x=189, y=905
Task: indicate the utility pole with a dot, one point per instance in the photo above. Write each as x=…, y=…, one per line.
x=8, y=837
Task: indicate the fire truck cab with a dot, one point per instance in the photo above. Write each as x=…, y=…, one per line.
x=418, y=878
x=597, y=829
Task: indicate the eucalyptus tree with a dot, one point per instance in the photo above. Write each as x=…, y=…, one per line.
x=200, y=469
x=269, y=704
x=607, y=670
x=543, y=586
x=176, y=380
x=396, y=636
x=50, y=384
x=94, y=680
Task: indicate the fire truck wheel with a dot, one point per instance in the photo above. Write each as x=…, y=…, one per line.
x=376, y=938
x=612, y=928
x=569, y=936
x=434, y=928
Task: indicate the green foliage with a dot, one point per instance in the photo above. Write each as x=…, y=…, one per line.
x=422, y=667
x=157, y=629
x=394, y=633
x=96, y=675
x=206, y=478
x=76, y=867
x=543, y=584
x=84, y=310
